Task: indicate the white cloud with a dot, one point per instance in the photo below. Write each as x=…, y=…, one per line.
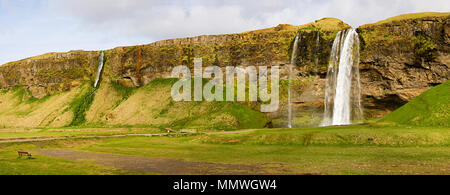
x=61, y=25
x=160, y=19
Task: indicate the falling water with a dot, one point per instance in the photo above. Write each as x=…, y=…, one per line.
x=342, y=92
x=316, y=53
x=99, y=69
x=291, y=65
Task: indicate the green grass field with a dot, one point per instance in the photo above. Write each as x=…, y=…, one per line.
x=365, y=149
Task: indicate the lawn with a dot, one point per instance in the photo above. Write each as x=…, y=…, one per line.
x=364, y=149
x=13, y=133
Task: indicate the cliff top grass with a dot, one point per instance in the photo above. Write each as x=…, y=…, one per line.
x=432, y=108
x=43, y=56
x=324, y=24
x=38, y=57
x=410, y=16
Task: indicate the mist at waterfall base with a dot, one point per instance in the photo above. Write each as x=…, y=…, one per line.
x=343, y=89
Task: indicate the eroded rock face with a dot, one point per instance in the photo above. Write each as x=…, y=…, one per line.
x=138, y=65
x=402, y=59
x=399, y=60
x=43, y=75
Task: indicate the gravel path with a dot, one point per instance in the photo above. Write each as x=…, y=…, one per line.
x=155, y=165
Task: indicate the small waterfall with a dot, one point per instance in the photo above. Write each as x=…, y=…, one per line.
x=291, y=66
x=316, y=53
x=343, y=89
x=99, y=69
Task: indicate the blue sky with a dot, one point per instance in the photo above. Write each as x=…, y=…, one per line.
x=33, y=27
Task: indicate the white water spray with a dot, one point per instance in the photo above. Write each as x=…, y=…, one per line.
x=291, y=66
x=99, y=69
x=342, y=93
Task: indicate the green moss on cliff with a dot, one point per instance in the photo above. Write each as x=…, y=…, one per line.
x=123, y=91
x=408, y=34
x=424, y=48
x=314, y=45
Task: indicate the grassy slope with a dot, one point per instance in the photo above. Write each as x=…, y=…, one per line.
x=152, y=105
x=117, y=106
x=325, y=24
x=18, y=109
x=113, y=105
x=432, y=108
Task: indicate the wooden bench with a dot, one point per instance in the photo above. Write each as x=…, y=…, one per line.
x=21, y=154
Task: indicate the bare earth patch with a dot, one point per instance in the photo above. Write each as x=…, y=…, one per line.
x=164, y=166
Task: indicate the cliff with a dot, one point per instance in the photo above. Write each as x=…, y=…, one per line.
x=400, y=58
x=138, y=65
x=49, y=73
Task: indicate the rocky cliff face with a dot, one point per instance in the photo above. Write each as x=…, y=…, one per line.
x=49, y=73
x=138, y=65
x=399, y=59
x=402, y=58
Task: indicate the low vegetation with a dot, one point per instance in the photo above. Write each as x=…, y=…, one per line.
x=432, y=108
x=367, y=149
x=411, y=16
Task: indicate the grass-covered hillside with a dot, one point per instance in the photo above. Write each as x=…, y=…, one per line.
x=152, y=105
x=411, y=16
x=432, y=108
x=113, y=105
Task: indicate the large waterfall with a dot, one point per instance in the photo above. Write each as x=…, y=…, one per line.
x=291, y=66
x=343, y=89
x=99, y=68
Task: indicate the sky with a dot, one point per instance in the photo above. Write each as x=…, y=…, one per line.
x=33, y=27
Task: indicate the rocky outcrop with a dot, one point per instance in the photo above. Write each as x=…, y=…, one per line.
x=268, y=47
x=401, y=58
x=49, y=73
x=138, y=65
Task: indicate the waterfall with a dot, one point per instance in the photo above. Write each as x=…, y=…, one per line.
x=99, y=69
x=343, y=89
x=291, y=65
x=316, y=53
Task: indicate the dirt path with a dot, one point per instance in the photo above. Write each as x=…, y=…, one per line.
x=37, y=139
x=164, y=166
x=30, y=139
